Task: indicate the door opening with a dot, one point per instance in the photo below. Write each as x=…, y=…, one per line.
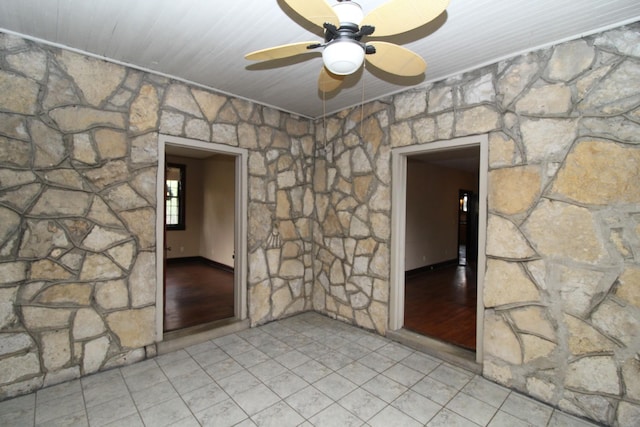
x=199, y=224
x=436, y=237
x=203, y=234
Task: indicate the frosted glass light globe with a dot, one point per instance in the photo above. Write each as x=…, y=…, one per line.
x=349, y=11
x=343, y=57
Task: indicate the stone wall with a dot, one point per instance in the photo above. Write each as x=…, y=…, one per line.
x=562, y=280
x=78, y=165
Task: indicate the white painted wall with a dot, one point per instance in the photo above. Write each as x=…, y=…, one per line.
x=432, y=215
x=216, y=242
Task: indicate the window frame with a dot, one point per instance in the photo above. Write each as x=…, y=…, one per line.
x=181, y=197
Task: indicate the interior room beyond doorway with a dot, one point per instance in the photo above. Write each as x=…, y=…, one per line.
x=440, y=262
x=199, y=267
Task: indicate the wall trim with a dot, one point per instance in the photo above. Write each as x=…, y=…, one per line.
x=398, y=226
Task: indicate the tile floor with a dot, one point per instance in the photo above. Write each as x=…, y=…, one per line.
x=307, y=370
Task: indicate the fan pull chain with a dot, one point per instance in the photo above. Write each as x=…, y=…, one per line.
x=324, y=121
x=364, y=66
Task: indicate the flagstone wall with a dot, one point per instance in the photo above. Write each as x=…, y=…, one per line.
x=562, y=280
x=78, y=179
x=78, y=164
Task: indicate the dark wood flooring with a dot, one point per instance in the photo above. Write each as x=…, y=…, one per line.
x=442, y=304
x=196, y=293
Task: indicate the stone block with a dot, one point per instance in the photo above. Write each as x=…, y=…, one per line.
x=547, y=139
x=74, y=119
x=32, y=63
x=619, y=322
x=69, y=294
x=42, y=317
x=500, y=340
x=410, y=104
x=561, y=230
x=134, y=328
x=40, y=238
x=224, y=134
x=536, y=348
x=615, y=93
x=596, y=374
x=514, y=190
x=50, y=149
x=401, y=135
x=142, y=224
x=20, y=95
x=87, y=324
x=96, y=79
x=476, y=120
x=100, y=238
x=506, y=283
x=600, y=173
x=584, y=338
x=570, y=60
x=580, y=288
x=48, y=270
x=171, y=123
x=629, y=286
x=17, y=367
x=123, y=254
x=440, y=99
x=142, y=281
x=628, y=414
x=534, y=319
x=143, y=113
x=516, y=77
x=57, y=202
x=112, y=294
x=545, y=100
x=111, y=144
x=99, y=267
x=179, y=97
x=631, y=377
x=259, y=302
x=210, y=103
x=479, y=90
x=199, y=129
x=504, y=240
x=56, y=349
x=12, y=272
x=95, y=353
x=623, y=40
x=14, y=343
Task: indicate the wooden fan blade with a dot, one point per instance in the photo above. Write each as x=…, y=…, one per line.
x=315, y=11
x=399, y=16
x=396, y=59
x=279, y=52
x=328, y=82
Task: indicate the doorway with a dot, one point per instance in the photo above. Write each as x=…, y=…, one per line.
x=426, y=278
x=201, y=234
x=468, y=227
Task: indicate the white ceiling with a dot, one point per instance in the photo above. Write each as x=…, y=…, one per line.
x=204, y=41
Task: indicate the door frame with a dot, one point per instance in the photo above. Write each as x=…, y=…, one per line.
x=240, y=233
x=398, y=226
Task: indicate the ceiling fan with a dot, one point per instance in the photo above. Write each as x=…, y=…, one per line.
x=343, y=49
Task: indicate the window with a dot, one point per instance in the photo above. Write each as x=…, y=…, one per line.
x=174, y=197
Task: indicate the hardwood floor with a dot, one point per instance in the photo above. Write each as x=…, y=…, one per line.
x=196, y=293
x=442, y=304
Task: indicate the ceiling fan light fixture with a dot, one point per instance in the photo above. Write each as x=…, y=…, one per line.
x=349, y=12
x=343, y=57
